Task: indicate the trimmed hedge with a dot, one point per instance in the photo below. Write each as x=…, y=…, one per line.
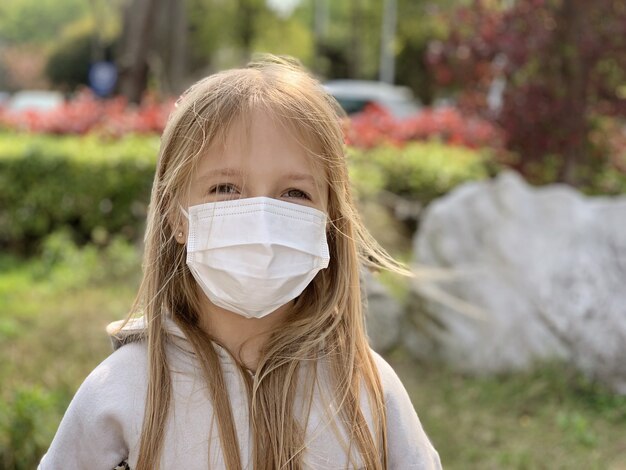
x=98, y=188
x=92, y=186
x=421, y=170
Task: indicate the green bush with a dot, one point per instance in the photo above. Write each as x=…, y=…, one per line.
x=62, y=263
x=92, y=186
x=27, y=424
x=96, y=189
x=73, y=52
x=68, y=64
x=53, y=309
x=420, y=170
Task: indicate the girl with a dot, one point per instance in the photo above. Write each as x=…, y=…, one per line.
x=251, y=352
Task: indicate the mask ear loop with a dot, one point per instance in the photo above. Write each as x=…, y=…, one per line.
x=184, y=211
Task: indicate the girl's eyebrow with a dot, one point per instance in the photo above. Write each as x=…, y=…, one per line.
x=300, y=177
x=222, y=172
x=292, y=176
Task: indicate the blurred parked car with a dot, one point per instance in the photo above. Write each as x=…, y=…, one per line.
x=4, y=98
x=355, y=95
x=37, y=100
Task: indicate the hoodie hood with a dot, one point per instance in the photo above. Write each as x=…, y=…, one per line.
x=122, y=332
x=136, y=329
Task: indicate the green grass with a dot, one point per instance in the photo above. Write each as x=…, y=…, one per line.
x=549, y=418
x=53, y=312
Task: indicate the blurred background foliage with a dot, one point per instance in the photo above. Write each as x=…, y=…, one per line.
x=534, y=85
x=548, y=74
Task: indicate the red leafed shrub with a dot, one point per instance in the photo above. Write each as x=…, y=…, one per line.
x=376, y=126
x=85, y=113
x=564, y=66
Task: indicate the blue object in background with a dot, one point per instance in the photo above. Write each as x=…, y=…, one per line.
x=102, y=78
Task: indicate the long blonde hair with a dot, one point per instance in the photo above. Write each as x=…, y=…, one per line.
x=327, y=318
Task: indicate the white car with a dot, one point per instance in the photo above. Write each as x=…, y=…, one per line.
x=4, y=98
x=354, y=95
x=36, y=100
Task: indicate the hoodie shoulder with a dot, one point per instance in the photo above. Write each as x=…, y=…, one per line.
x=408, y=444
x=94, y=432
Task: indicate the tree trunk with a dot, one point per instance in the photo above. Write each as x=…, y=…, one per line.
x=575, y=79
x=139, y=20
x=168, y=59
x=320, y=29
x=178, y=62
x=356, y=39
x=247, y=9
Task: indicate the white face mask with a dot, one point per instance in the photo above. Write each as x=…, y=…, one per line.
x=253, y=255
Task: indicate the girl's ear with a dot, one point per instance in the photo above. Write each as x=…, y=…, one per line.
x=180, y=229
x=177, y=220
x=181, y=236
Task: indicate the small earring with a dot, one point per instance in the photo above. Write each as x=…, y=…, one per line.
x=180, y=234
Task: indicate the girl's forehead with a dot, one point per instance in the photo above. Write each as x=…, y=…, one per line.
x=262, y=138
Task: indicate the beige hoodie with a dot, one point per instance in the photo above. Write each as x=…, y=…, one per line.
x=102, y=425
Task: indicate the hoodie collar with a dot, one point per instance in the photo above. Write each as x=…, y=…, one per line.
x=122, y=332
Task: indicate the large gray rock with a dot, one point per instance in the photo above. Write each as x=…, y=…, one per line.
x=534, y=273
x=383, y=314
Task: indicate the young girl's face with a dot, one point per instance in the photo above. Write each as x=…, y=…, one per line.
x=266, y=160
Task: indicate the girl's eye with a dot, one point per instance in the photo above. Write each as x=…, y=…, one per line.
x=223, y=191
x=296, y=193
x=224, y=188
